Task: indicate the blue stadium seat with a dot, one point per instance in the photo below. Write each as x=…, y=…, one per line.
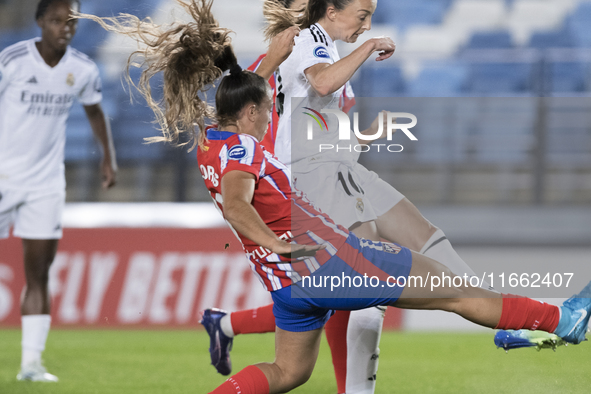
x=567, y=76
x=485, y=40
x=379, y=82
x=403, y=14
x=555, y=39
x=439, y=81
x=491, y=78
x=580, y=24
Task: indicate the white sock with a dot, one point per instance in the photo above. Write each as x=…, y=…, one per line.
x=226, y=326
x=439, y=249
x=35, y=329
x=363, y=338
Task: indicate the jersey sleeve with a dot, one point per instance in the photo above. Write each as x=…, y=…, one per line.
x=242, y=153
x=312, y=50
x=91, y=93
x=4, y=79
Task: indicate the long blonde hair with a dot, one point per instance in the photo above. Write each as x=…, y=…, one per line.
x=191, y=56
x=279, y=17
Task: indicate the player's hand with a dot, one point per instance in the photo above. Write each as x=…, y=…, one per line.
x=108, y=174
x=282, y=45
x=294, y=251
x=385, y=46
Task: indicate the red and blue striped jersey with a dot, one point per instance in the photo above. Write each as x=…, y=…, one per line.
x=286, y=211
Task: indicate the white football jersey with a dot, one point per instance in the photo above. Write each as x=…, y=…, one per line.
x=296, y=98
x=35, y=101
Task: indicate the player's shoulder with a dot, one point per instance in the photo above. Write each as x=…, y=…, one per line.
x=312, y=42
x=14, y=52
x=253, y=67
x=247, y=141
x=82, y=59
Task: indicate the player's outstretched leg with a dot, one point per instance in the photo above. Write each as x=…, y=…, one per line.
x=35, y=308
x=494, y=310
x=573, y=326
x=222, y=327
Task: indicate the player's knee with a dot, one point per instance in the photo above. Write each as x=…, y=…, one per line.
x=38, y=275
x=295, y=377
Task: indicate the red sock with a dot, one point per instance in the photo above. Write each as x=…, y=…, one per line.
x=253, y=321
x=250, y=380
x=525, y=313
x=336, y=334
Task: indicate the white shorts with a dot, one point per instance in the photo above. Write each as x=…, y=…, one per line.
x=34, y=214
x=348, y=193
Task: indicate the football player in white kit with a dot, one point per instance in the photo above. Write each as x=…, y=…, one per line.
x=39, y=81
x=314, y=76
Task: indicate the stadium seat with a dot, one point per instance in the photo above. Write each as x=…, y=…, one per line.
x=379, y=82
x=403, y=14
x=529, y=16
x=567, y=76
x=476, y=14
x=439, y=81
x=494, y=78
x=493, y=39
x=554, y=39
x=580, y=24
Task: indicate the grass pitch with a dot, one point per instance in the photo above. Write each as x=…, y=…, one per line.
x=148, y=362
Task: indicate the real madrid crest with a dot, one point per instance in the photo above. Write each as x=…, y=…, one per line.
x=360, y=206
x=70, y=80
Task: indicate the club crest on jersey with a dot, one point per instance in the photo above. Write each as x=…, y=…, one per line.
x=70, y=80
x=321, y=52
x=391, y=248
x=360, y=206
x=237, y=152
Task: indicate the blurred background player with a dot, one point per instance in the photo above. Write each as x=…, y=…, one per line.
x=39, y=81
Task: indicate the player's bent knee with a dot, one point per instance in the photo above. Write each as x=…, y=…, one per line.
x=294, y=377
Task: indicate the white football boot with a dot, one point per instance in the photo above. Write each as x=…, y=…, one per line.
x=35, y=372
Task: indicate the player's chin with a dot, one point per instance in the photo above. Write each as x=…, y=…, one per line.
x=353, y=38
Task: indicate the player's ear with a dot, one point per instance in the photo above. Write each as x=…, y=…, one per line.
x=40, y=22
x=252, y=112
x=331, y=13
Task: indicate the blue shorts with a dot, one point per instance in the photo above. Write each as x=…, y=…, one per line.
x=362, y=274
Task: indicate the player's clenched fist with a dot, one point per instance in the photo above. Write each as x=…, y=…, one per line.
x=385, y=46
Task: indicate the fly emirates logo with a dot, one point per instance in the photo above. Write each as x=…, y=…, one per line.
x=47, y=104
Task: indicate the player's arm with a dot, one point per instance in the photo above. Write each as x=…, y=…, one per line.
x=4, y=79
x=327, y=78
x=102, y=131
x=280, y=48
x=237, y=193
